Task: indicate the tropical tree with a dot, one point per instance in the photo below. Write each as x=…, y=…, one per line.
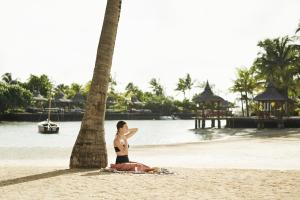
x=74, y=89
x=7, y=78
x=160, y=104
x=245, y=84
x=134, y=96
x=156, y=87
x=61, y=88
x=13, y=97
x=133, y=90
x=89, y=150
x=277, y=62
x=184, y=84
x=39, y=83
x=185, y=106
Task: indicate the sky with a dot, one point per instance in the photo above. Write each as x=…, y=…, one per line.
x=162, y=39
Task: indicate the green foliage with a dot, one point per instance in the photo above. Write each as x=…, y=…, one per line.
x=156, y=87
x=132, y=90
x=40, y=83
x=86, y=88
x=61, y=88
x=7, y=78
x=74, y=89
x=185, y=106
x=13, y=97
x=278, y=63
x=245, y=82
x=160, y=104
x=184, y=84
x=245, y=85
x=117, y=102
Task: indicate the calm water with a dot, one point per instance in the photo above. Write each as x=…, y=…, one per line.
x=151, y=132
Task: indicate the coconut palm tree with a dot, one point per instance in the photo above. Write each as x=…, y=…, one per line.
x=245, y=85
x=277, y=62
x=157, y=88
x=184, y=84
x=89, y=150
x=7, y=78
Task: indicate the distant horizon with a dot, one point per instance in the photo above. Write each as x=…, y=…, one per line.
x=156, y=39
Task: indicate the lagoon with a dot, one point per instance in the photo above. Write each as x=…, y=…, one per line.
x=151, y=132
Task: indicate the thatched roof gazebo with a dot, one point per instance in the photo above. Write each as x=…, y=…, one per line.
x=39, y=97
x=78, y=98
x=39, y=103
x=61, y=101
x=210, y=105
x=78, y=101
x=270, y=94
x=60, y=98
x=272, y=104
x=208, y=96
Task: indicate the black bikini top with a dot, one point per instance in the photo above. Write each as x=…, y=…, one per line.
x=117, y=148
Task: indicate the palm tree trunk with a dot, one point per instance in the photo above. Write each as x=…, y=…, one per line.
x=89, y=150
x=247, y=106
x=243, y=112
x=286, y=94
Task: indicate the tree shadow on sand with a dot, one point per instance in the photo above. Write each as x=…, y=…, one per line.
x=208, y=134
x=38, y=177
x=97, y=173
x=276, y=133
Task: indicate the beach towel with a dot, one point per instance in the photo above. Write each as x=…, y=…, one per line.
x=131, y=166
x=135, y=168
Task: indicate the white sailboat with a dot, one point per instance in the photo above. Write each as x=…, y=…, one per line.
x=48, y=126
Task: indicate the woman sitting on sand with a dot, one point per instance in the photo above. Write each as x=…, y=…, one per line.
x=120, y=142
x=121, y=147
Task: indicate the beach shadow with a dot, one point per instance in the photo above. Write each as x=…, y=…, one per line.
x=214, y=133
x=38, y=177
x=276, y=133
x=207, y=134
x=92, y=174
x=273, y=133
x=97, y=173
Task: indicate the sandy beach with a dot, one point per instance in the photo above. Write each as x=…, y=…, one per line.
x=252, y=165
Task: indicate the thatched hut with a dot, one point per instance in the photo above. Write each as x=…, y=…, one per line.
x=39, y=97
x=271, y=102
x=272, y=105
x=78, y=100
x=61, y=101
x=209, y=106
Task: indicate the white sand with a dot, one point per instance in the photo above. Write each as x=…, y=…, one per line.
x=246, y=167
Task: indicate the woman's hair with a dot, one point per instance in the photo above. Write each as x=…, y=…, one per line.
x=120, y=124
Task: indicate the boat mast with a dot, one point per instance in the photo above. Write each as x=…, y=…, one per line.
x=49, y=108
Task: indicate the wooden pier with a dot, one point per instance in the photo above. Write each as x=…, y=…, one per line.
x=200, y=122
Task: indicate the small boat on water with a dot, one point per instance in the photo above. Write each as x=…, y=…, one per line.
x=165, y=118
x=172, y=117
x=48, y=126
